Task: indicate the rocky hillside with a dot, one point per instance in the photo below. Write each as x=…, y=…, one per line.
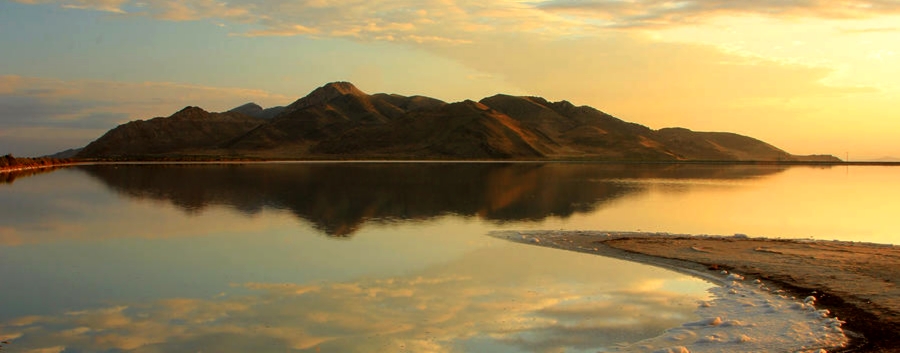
x=338, y=121
x=189, y=131
x=256, y=111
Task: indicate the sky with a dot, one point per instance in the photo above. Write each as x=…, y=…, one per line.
x=808, y=76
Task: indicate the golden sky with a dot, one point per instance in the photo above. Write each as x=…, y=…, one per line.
x=807, y=76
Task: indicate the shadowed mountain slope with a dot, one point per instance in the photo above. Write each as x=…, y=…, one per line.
x=186, y=132
x=338, y=121
x=256, y=111
x=718, y=146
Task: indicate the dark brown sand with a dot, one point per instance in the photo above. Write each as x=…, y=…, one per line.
x=856, y=281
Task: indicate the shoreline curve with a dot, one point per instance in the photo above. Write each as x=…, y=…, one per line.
x=856, y=281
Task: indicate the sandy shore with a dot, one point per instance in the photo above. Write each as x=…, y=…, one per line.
x=856, y=281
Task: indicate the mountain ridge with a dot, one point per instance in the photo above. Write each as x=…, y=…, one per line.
x=339, y=121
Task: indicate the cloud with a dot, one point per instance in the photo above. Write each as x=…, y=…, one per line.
x=173, y=10
x=414, y=21
x=78, y=111
x=27, y=111
x=657, y=13
x=870, y=30
x=41, y=141
x=114, y=6
x=289, y=31
x=463, y=21
x=9, y=236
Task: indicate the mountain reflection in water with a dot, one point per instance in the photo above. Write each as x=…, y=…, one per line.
x=340, y=198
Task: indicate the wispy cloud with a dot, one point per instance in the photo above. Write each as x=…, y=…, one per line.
x=21, y=110
x=416, y=21
x=28, y=101
x=461, y=21
x=657, y=13
x=30, y=105
x=870, y=30
x=114, y=6
x=295, y=30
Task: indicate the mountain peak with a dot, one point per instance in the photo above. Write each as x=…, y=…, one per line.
x=249, y=109
x=191, y=112
x=341, y=87
x=190, y=108
x=326, y=93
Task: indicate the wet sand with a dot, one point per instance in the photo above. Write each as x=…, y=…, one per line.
x=858, y=282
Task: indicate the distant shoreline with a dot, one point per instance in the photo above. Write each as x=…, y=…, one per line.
x=199, y=161
x=36, y=167
x=225, y=159
x=11, y=164
x=856, y=281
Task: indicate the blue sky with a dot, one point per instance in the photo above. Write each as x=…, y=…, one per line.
x=807, y=76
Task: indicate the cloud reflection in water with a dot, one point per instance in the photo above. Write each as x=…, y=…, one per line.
x=507, y=298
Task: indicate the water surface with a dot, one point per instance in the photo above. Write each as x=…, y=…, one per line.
x=383, y=257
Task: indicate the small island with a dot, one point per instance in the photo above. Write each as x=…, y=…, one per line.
x=339, y=122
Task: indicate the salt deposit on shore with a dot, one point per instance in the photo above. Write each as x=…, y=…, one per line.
x=743, y=315
x=748, y=317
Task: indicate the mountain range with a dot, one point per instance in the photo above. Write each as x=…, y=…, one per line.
x=338, y=121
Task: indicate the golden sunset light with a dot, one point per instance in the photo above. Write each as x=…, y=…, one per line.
x=811, y=77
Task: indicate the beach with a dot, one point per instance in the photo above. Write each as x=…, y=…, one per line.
x=856, y=282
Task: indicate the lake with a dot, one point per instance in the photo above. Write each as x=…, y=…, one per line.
x=387, y=257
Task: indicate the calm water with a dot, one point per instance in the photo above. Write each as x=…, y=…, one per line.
x=384, y=257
